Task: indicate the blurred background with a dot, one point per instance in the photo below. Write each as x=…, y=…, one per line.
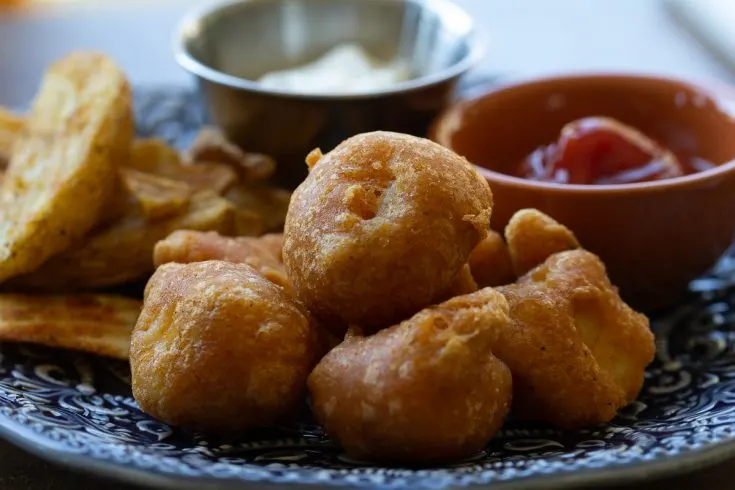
x=524, y=38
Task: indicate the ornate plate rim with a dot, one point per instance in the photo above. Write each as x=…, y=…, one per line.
x=612, y=474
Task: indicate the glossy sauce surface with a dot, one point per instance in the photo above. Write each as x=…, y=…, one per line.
x=600, y=150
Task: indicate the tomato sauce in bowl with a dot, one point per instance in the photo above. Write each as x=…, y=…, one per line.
x=604, y=151
x=641, y=168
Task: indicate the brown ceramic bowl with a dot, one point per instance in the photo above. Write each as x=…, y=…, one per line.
x=654, y=237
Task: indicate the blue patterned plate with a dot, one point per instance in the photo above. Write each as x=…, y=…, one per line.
x=78, y=410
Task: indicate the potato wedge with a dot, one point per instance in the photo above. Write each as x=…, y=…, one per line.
x=215, y=176
x=99, y=324
x=248, y=223
x=270, y=203
x=156, y=157
x=63, y=167
x=211, y=146
x=11, y=126
x=123, y=252
x=159, y=197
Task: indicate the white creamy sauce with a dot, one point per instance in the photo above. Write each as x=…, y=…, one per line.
x=348, y=68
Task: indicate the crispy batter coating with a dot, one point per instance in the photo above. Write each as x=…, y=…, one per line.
x=261, y=253
x=381, y=227
x=464, y=283
x=220, y=349
x=533, y=236
x=576, y=350
x=490, y=262
x=427, y=389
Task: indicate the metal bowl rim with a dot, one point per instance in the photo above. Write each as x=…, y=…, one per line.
x=475, y=41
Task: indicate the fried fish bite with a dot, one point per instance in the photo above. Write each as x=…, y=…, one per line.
x=381, y=227
x=576, y=350
x=490, y=262
x=428, y=389
x=219, y=348
x=464, y=283
x=533, y=236
x=262, y=254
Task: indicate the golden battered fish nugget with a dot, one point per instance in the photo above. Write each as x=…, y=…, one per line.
x=490, y=262
x=464, y=283
x=186, y=246
x=381, y=227
x=219, y=348
x=576, y=350
x=533, y=236
x=428, y=389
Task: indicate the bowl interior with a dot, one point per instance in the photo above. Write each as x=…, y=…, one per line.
x=498, y=130
x=248, y=38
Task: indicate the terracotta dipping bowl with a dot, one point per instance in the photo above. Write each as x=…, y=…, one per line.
x=654, y=237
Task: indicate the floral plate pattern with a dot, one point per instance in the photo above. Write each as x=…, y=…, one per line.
x=78, y=410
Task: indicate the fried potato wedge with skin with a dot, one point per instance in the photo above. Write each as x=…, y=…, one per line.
x=99, y=324
x=211, y=145
x=155, y=156
x=11, y=126
x=123, y=252
x=215, y=176
x=270, y=203
x=63, y=168
x=158, y=197
x=533, y=237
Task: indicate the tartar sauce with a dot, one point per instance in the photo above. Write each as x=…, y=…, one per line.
x=348, y=68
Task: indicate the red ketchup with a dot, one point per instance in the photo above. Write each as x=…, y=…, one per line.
x=599, y=150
